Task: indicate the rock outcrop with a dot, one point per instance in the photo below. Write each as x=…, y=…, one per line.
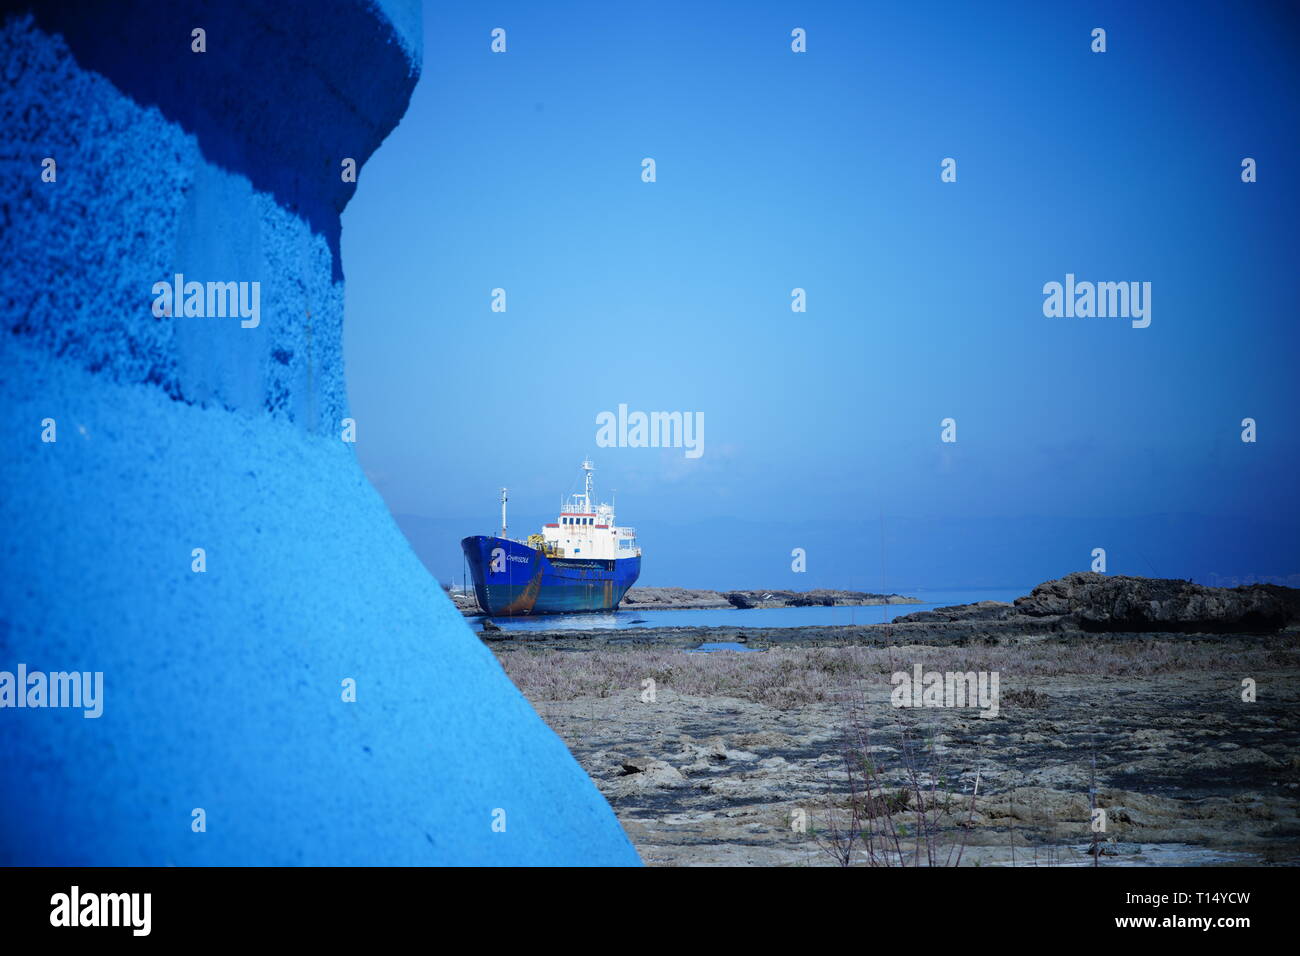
x=1097, y=602
x=980, y=611
x=1088, y=601
x=649, y=598
x=817, y=597
x=655, y=599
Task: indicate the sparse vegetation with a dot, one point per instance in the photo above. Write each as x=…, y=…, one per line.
x=883, y=824
x=790, y=677
x=1025, y=697
x=795, y=756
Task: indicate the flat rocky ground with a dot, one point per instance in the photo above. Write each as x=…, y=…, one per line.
x=774, y=758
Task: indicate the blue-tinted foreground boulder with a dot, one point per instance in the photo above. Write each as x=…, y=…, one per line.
x=282, y=682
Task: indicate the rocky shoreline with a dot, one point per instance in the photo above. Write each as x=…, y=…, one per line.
x=1078, y=605
x=687, y=599
x=1095, y=602
x=1123, y=694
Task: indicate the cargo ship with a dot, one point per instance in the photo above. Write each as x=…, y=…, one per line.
x=582, y=562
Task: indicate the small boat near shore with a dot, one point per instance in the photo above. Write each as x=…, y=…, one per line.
x=583, y=561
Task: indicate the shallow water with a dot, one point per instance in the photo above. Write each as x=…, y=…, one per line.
x=756, y=617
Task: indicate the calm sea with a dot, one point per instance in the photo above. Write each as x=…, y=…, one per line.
x=757, y=617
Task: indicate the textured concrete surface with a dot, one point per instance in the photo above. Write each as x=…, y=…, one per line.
x=223, y=690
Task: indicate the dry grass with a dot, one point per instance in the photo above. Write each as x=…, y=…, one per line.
x=790, y=677
x=884, y=825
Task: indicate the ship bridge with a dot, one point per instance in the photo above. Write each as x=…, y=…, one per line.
x=584, y=530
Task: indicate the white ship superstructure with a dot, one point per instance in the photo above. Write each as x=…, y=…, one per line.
x=586, y=531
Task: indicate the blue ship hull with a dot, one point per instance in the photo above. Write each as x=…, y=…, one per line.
x=511, y=578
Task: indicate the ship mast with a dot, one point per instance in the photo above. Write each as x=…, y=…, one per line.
x=503, y=512
x=586, y=466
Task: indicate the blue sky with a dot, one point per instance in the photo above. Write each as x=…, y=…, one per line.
x=821, y=170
